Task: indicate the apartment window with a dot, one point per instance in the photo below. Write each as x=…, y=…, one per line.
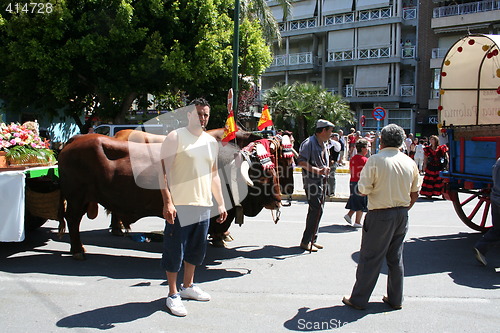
x=401, y=118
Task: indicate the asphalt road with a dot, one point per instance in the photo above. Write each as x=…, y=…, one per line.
x=262, y=282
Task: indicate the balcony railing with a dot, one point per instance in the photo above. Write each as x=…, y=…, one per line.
x=303, y=24
x=292, y=59
x=409, y=13
x=408, y=52
x=352, y=54
x=438, y=53
x=333, y=91
x=347, y=90
x=341, y=55
x=300, y=58
x=279, y=60
x=375, y=53
x=375, y=14
x=407, y=90
x=467, y=8
x=372, y=93
x=339, y=19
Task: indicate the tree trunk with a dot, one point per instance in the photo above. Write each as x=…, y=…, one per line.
x=124, y=108
x=301, y=128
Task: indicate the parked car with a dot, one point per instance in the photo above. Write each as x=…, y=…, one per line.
x=111, y=129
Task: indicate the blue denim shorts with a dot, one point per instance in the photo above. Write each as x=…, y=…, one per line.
x=188, y=242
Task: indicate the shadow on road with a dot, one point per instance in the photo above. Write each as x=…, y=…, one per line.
x=32, y=256
x=337, y=229
x=448, y=254
x=307, y=320
x=106, y=318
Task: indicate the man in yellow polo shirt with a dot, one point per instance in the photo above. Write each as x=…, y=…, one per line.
x=390, y=179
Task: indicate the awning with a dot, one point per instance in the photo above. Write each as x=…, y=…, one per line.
x=372, y=77
x=303, y=9
x=277, y=13
x=341, y=40
x=370, y=4
x=337, y=6
x=375, y=36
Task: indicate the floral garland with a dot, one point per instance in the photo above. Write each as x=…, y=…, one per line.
x=24, y=146
x=20, y=135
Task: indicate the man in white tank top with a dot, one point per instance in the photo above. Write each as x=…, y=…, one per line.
x=189, y=179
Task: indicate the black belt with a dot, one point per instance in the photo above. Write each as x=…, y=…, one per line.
x=379, y=209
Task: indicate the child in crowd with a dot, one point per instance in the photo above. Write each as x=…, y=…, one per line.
x=356, y=203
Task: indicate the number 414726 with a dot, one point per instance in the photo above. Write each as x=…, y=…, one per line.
x=32, y=7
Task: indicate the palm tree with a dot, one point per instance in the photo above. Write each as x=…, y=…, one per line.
x=259, y=10
x=299, y=105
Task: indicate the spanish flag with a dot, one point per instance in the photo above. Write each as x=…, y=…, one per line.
x=230, y=128
x=265, y=119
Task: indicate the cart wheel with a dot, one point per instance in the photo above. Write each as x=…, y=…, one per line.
x=473, y=207
x=32, y=222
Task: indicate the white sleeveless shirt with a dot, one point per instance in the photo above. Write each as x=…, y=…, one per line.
x=190, y=178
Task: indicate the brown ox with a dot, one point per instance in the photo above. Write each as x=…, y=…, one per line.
x=279, y=181
x=96, y=169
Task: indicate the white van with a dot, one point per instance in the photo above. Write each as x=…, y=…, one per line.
x=111, y=129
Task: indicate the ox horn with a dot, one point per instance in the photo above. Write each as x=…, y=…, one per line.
x=245, y=168
x=295, y=153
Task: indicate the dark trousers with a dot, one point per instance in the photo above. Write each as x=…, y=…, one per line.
x=316, y=200
x=330, y=189
x=383, y=235
x=489, y=239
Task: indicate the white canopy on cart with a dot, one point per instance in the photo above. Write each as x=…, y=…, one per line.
x=470, y=82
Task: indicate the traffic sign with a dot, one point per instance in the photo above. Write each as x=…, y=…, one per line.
x=379, y=113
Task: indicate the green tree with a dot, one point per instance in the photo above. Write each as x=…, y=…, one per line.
x=297, y=106
x=101, y=55
x=258, y=10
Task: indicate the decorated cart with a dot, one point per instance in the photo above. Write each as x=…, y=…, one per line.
x=469, y=112
x=28, y=182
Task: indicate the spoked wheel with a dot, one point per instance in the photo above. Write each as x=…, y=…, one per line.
x=473, y=207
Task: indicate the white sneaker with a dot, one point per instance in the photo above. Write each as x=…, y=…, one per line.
x=194, y=292
x=348, y=219
x=174, y=304
x=357, y=225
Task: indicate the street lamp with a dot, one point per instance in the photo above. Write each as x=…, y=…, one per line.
x=236, y=51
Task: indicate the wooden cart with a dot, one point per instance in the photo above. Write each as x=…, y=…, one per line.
x=469, y=112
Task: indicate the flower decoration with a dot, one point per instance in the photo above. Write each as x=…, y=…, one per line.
x=24, y=146
x=20, y=135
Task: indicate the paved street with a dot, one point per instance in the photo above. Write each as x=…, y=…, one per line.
x=261, y=283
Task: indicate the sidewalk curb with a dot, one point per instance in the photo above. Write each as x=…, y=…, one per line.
x=339, y=170
x=301, y=196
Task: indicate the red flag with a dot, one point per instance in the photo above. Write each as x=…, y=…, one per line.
x=230, y=127
x=265, y=119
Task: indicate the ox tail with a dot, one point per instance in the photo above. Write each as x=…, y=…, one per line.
x=60, y=217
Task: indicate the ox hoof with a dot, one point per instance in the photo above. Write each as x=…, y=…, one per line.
x=218, y=243
x=79, y=256
x=117, y=232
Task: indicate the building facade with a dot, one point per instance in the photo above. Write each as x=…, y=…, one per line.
x=376, y=53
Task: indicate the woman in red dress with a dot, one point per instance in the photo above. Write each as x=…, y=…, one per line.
x=434, y=155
